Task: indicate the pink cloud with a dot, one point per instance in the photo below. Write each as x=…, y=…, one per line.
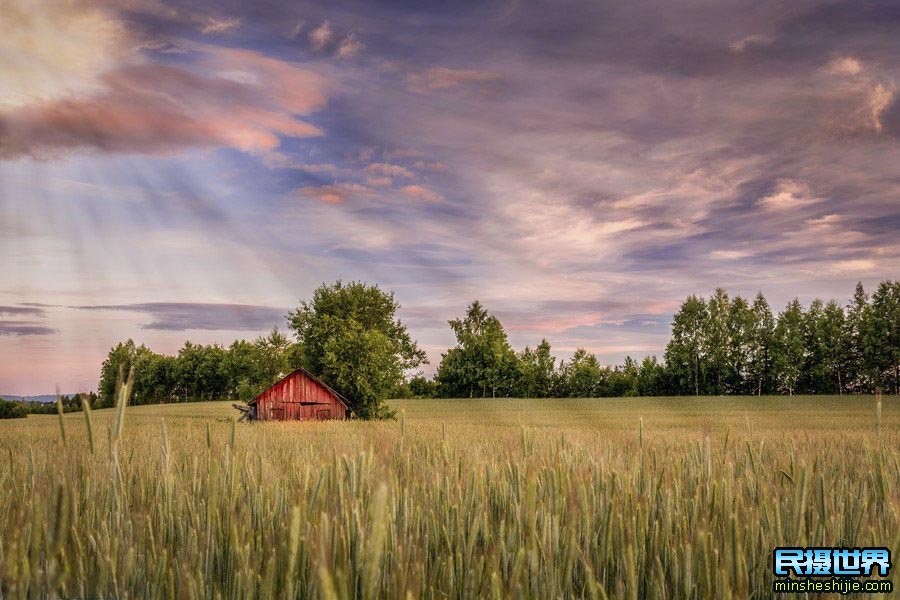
x=389, y=170
x=426, y=166
x=206, y=23
x=242, y=100
x=379, y=181
x=421, y=193
x=336, y=193
x=403, y=153
x=442, y=78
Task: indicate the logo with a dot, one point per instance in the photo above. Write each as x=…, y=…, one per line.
x=831, y=570
x=824, y=562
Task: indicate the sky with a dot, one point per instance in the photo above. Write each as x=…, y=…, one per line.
x=175, y=170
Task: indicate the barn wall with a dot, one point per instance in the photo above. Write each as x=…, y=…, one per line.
x=283, y=401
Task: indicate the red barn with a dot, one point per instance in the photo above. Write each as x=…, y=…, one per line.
x=300, y=396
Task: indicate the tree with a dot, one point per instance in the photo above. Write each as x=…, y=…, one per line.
x=739, y=327
x=882, y=335
x=12, y=410
x=856, y=324
x=814, y=372
x=421, y=387
x=629, y=374
x=482, y=361
x=651, y=378
x=684, y=352
x=276, y=357
x=832, y=350
x=350, y=337
x=715, y=340
x=242, y=368
x=537, y=372
x=790, y=346
x=154, y=377
x=759, y=351
x=582, y=376
x=121, y=356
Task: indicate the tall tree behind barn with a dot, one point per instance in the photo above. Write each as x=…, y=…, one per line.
x=298, y=397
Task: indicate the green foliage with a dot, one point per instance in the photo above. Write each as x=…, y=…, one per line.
x=199, y=372
x=881, y=344
x=716, y=340
x=760, y=340
x=581, y=377
x=856, y=324
x=482, y=363
x=349, y=336
x=790, y=346
x=725, y=346
x=537, y=372
x=17, y=410
x=686, y=351
x=12, y=410
x=831, y=347
x=650, y=378
x=421, y=387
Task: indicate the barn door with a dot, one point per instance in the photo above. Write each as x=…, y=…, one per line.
x=323, y=414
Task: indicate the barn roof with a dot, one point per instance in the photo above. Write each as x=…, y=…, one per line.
x=343, y=400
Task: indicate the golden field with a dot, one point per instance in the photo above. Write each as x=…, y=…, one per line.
x=617, y=498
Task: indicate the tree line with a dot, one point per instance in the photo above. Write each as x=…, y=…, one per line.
x=16, y=409
x=347, y=334
x=720, y=345
x=198, y=372
x=351, y=337
x=725, y=345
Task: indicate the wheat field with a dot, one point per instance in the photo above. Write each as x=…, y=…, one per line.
x=595, y=498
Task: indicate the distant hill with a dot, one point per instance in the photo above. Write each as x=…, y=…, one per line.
x=42, y=398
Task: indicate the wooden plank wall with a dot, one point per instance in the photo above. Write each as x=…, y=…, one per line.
x=283, y=401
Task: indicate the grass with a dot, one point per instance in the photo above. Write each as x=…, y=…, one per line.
x=598, y=498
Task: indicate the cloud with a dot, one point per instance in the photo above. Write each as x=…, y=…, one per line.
x=731, y=254
x=22, y=310
x=421, y=193
x=442, y=78
x=23, y=328
x=336, y=193
x=751, y=41
x=295, y=30
x=788, y=195
x=880, y=98
x=851, y=267
x=184, y=316
x=429, y=166
x=225, y=98
x=844, y=66
x=204, y=22
x=212, y=25
x=321, y=36
x=379, y=181
x=861, y=95
x=389, y=170
x=403, y=153
x=349, y=47
x=365, y=155
x=52, y=50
